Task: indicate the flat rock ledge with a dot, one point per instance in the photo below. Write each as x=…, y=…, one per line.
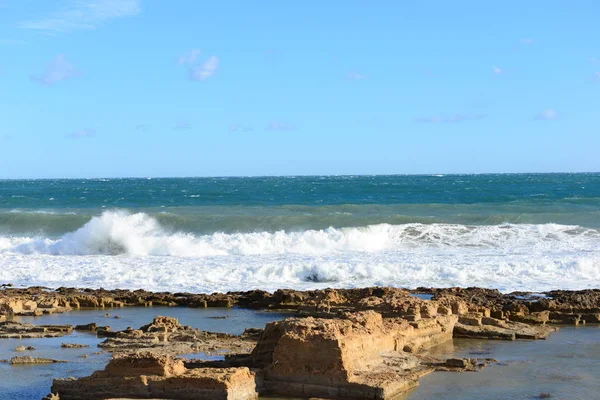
x=350, y=344
x=360, y=355
x=555, y=307
x=23, y=360
x=148, y=375
x=18, y=330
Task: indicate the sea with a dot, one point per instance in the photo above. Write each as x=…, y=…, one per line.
x=532, y=232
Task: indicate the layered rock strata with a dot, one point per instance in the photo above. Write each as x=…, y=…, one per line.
x=556, y=307
x=148, y=375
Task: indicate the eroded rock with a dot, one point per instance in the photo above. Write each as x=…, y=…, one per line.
x=361, y=356
x=18, y=330
x=148, y=375
x=33, y=360
x=74, y=345
x=167, y=335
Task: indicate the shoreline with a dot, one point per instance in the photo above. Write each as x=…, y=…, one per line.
x=383, y=334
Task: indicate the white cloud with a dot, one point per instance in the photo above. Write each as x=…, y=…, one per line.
x=355, y=76
x=81, y=14
x=280, y=126
x=189, y=58
x=547, y=115
x=182, y=126
x=82, y=134
x=497, y=70
x=58, y=70
x=206, y=70
x=450, y=119
x=527, y=41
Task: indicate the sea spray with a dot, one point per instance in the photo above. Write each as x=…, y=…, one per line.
x=119, y=232
x=522, y=231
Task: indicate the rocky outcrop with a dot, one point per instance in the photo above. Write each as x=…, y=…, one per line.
x=24, y=348
x=500, y=330
x=33, y=360
x=362, y=356
x=17, y=330
x=148, y=375
x=555, y=307
x=167, y=335
x=74, y=345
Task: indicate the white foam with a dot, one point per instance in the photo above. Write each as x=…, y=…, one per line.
x=117, y=249
x=117, y=232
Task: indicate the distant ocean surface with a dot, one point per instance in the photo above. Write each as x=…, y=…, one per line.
x=511, y=232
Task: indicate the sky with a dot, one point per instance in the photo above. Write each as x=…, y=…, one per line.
x=124, y=88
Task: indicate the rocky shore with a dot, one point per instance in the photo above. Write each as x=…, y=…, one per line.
x=341, y=343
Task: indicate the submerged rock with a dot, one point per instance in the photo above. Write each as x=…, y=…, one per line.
x=74, y=346
x=33, y=360
x=91, y=327
x=23, y=348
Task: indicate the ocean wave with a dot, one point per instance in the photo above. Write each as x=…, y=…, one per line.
x=119, y=232
x=509, y=272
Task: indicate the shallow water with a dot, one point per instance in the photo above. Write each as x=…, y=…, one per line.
x=229, y=320
x=25, y=382
x=566, y=365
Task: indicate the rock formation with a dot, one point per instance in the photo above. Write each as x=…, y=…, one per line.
x=148, y=375
x=361, y=356
x=33, y=360
x=17, y=330
x=343, y=343
x=167, y=335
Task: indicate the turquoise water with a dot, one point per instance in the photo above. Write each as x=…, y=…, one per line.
x=512, y=232
x=207, y=205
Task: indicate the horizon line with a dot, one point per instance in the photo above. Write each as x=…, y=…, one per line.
x=440, y=174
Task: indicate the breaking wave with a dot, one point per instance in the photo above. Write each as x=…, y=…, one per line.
x=118, y=232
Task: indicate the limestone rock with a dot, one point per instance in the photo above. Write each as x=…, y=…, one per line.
x=148, y=375
x=360, y=356
x=73, y=345
x=32, y=360
x=166, y=334
x=502, y=330
x=24, y=348
x=91, y=327
x=17, y=330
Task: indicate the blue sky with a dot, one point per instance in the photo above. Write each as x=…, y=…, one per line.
x=201, y=88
